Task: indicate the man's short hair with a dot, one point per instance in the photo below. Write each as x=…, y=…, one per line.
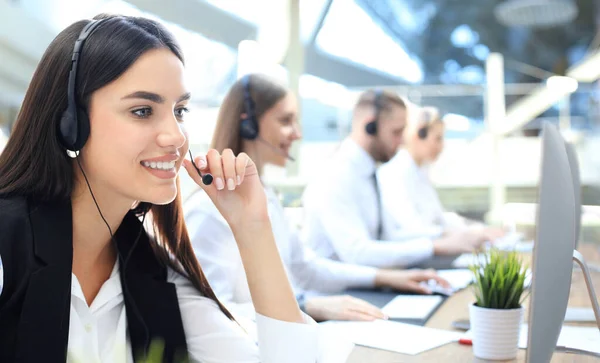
x=387, y=99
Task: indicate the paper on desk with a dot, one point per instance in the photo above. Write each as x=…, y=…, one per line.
x=571, y=337
x=411, y=306
x=467, y=259
x=458, y=278
x=392, y=336
x=580, y=315
x=522, y=246
x=335, y=347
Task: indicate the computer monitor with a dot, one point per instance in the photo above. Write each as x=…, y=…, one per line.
x=574, y=167
x=553, y=250
x=578, y=314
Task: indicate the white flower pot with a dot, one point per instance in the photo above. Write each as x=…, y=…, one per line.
x=495, y=332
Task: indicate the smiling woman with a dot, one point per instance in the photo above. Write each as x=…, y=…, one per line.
x=98, y=143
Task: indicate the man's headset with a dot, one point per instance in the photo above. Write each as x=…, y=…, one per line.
x=371, y=127
x=74, y=126
x=73, y=132
x=249, y=125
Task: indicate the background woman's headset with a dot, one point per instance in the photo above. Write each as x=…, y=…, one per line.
x=428, y=116
x=424, y=130
x=249, y=125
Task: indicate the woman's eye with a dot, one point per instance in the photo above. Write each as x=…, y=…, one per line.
x=142, y=112
x=180, y=112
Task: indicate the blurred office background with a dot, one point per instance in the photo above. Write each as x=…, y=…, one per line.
x=495, y=68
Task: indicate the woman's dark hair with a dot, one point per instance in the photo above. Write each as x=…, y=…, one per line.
x=35, y=164
x=265, y=94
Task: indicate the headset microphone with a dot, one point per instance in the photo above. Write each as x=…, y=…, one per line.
x=276, y=149
x=207, y=179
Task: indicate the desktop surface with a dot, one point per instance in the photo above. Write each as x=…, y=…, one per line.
x=457, y=307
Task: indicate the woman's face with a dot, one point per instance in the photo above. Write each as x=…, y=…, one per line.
x=137, y=141
x=434, y=143
x=279, y=127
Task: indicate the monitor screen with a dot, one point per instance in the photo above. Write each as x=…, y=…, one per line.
x=574, y=166
x=553, y=249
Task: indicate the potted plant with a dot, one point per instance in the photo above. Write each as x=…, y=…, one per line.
x=496, y=316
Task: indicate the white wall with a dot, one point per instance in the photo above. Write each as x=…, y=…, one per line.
x=463, y=164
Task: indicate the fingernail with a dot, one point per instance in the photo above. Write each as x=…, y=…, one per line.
x=230, y=184
x=239, y=180
x=219, y=183
x=201, y=164
x=385, y=317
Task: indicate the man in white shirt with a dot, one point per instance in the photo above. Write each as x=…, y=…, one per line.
x=343, y=216
x=410, y=203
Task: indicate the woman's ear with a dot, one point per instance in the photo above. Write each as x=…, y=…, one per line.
x=243, y=116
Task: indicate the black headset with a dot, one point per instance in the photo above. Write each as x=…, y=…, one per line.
x=74, y=126
x=249, y=125
x=371, y=127
x=424, y=130
x=74, y=130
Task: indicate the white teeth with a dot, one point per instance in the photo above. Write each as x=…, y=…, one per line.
x=160, y=165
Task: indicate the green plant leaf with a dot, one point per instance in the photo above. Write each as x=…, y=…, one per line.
x=499, y=280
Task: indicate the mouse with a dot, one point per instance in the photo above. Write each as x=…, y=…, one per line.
x=438, y=289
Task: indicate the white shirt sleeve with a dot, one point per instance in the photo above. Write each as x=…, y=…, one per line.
x=322, y=274
x=213, y=338
x=339, y=216
x=217, y=252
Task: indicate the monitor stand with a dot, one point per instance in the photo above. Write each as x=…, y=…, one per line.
x=577, y=257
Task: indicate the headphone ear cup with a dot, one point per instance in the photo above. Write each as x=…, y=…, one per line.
x=74, y=129
x=67, y=129
x=83, y=128
x=423, y=133
x=247, y=129
x=371, y=128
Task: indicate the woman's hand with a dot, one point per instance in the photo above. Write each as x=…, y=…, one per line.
x=236, y=190
x=409, y=280
x=238, y=194
x=342, y=308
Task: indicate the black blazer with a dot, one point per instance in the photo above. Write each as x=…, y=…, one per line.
x=37, y=252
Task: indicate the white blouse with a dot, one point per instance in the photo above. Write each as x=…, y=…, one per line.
x=410, y=202
x=98, y=333
x=216, y=249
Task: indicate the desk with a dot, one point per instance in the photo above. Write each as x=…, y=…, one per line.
x=457, y=307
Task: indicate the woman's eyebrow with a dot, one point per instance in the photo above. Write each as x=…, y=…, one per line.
x=154, y=97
